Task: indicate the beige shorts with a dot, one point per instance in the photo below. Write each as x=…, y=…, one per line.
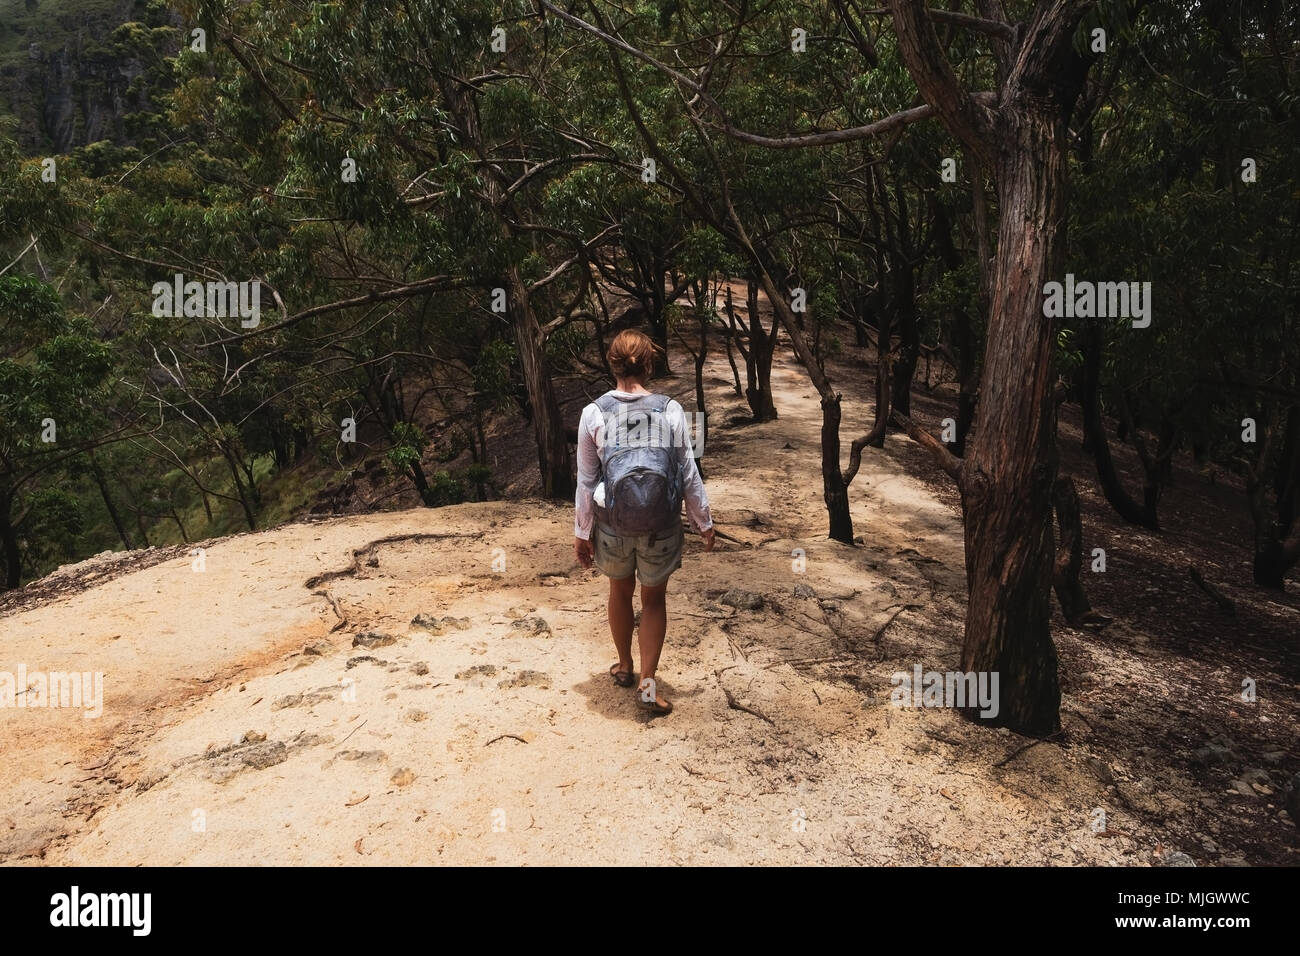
x=652, y=557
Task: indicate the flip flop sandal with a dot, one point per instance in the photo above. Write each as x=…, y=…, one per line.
x=653, y=707
x=621, y=678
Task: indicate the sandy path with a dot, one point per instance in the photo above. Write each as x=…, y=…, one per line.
x=503, y=740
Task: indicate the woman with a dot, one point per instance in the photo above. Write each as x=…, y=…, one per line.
x=651, y=557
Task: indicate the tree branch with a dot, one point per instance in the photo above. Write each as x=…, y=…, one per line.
x=919, y=45
x=1002, y=31
x=945, y=459
x=434, y=284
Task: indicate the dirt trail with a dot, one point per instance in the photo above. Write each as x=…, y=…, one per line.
x=241, y=725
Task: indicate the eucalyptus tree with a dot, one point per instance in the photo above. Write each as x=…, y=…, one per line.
x=1015, y=123
x=1200, y=129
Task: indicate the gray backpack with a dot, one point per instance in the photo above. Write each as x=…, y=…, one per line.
x=639, y=465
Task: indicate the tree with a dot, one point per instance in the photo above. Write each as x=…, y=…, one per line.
x=52, y=369
x=1018, y=133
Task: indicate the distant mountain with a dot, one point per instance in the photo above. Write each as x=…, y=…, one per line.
x=69, y=75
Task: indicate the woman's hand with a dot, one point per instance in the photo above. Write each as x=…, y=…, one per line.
x=708, y=538
x=582, y=550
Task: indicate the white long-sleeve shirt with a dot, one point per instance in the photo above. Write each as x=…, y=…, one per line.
x=591, y=429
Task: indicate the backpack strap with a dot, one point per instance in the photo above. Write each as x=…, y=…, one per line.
x=609, y=405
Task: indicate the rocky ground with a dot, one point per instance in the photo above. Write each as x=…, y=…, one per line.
x=427, y=685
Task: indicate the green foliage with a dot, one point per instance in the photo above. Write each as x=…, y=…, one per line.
x=226, y=166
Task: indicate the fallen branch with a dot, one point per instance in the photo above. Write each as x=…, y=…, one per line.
x=736, y=705
x=1033, y=743
x=1225, y=604
x=880, y=632
x=503, y=737
x=354, y=730
x=942, y=739
x=726, y=537
x=699, y=773
x=945, y=459
x=343, y=620
x=367, y=550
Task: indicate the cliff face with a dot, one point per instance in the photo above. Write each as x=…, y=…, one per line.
x=65, y=77
x=82, y=97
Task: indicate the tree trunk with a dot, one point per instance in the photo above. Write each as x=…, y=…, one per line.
x=548, y=429
x=1277, y=541
x=659, y=316
x=1273, y=559
x=700, y=356
x=13, y=562
x=834, y=491
x=1069, y=552
x=968, y=375
x=876, y=437
x=113, y=515
x=731, y=334
x=909, y=344
x=1010, y=466
x=233, y=464
x=762, y=346
x=1094, y=430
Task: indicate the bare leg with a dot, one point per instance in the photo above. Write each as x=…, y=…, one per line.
x=620, y=618
x=654, y=625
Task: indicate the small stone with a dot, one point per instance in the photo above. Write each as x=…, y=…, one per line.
x=1243, y=788
x=526, y=679
x=415, y=716
x=403, y=778
x=480, y=670
x=364, y=756
x=373, y=639
x=303, y=700
x=1212, y=754
x=427, y=622
x=532, y=626
x=420, y=668
x=804, y=591
x=253, y=737
x=262, y=755
x=1292, y=799
x=722, y=839
x=1176, y=858
x=318, y=649
x=742, y=600
x=363, y=659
